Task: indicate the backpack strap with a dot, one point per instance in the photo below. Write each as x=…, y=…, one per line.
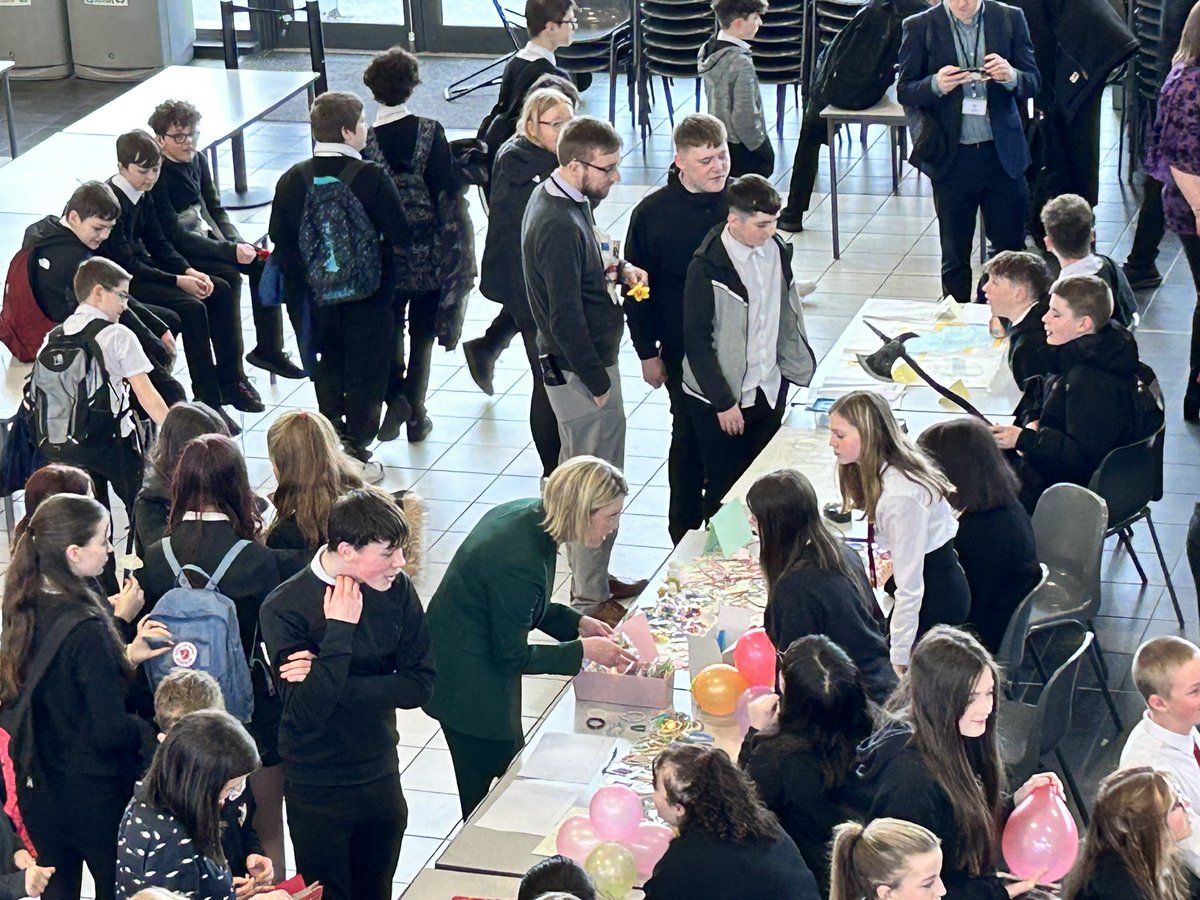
x=425, y=132
x=169, y=555
x=353, y=168
x=225, y=563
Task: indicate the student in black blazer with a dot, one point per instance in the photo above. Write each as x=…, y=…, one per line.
x=967, y=64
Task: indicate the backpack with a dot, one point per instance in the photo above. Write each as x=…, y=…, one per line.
x=69, y=391
x=339, y=244
x=1148, y=415
x=204, y=625
x=858, y=66
x=23, y=325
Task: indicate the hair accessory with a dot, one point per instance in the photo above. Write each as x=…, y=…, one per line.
x=595, y=719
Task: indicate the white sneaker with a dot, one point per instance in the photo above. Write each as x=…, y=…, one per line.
x=804, y=288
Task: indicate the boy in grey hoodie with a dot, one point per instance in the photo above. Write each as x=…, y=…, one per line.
x=731, y=86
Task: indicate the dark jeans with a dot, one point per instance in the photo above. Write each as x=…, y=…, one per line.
x=1151, y=226
x=411, y=379
x=685, y=468
x=354, y=343
x=476, y=762
x=268, y=320
x=76, y=822
x=211, y=329
x=804, y=167
x=1191, y=249
x=725, y=457
x=976, y=181
x=348, y=836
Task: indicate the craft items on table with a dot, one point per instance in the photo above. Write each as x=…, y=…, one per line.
x=663, y=730
x=649, y=682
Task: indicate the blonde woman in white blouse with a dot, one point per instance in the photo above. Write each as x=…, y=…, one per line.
x=881, y=472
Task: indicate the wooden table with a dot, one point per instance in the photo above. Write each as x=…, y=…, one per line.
x=5, y=66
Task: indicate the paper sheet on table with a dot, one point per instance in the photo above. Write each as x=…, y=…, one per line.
x=911, y=311
x=549, y=844
x=529, y=807
x=637, y=629
x=571, y=758
x=729, y=529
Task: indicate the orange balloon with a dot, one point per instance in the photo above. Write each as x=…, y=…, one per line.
x=717, y=689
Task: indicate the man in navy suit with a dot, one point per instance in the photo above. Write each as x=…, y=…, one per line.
x=967, y=63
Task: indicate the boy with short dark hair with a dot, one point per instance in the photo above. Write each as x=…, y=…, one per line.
x=1070, y=230
x=732, y=89
x=354, y=614
x=1018, y=291
x=190, y=213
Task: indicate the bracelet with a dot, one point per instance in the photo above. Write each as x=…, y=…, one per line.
x=595, y=719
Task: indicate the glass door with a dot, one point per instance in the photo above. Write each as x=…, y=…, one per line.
x=465, y=26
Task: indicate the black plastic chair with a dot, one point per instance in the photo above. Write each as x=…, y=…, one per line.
x=1129, y=479
x=1011, y=652
x=1029, y=732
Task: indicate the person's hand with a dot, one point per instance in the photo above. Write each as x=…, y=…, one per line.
x=997, y=68
x=168, y=342
x=654, y=372
x=764, y=712
x=589, y=627
x=602, y=399
x=343, y=600
x=950, y=77
x=148, y=630
x=631, y=275
x=1017, y=888
x=299, y=664
x=1032, y=426
x=996, y=328
x=202, y=277
x=1036, y=781
x=129, y=602
x=36, y=879
x=606, y=652
x=731, y=420
x=244, y=888
x=899, y=669
x=193, y=286
x=246, y=253
x=261, y=869
x=1006, y=436
x=22, y=859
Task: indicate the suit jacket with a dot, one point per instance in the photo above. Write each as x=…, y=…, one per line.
x=928, y=45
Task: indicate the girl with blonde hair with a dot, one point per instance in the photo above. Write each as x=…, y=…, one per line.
x=887, y=859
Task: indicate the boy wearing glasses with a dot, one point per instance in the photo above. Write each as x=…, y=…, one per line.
x=190, y=213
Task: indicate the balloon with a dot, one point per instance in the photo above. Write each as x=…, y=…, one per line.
x=717, y=689
x=648, y=845
x=742, y=711
x=576, y=838
x=613, y=870
x=1040, y=838
x=754, y=656
x=615, y=812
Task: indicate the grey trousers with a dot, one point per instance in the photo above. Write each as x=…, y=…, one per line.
x=588, y=429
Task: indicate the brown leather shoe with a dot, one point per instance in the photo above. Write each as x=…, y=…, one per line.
x=620, y=589
x=610, y=612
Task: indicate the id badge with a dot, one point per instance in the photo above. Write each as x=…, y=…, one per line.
x=974, y=106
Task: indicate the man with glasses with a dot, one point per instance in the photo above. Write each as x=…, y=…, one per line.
x=190, y=212
x=573, y=274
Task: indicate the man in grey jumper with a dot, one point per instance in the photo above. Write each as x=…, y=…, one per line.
x=572, y=273
x=731, y=86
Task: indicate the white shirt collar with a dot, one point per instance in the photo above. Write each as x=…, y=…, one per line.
x=127, y=189
x=1181, y=742
x=1013, y=323
x=319, y=570
x=559, y=187
x=739, y=252
x=1089, y=265
x=321, y=148
x=193, y=516
x=532, y=51
x=87, y=311
x=388, y=114
x=724, y=35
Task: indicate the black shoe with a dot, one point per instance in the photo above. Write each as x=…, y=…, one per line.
x=418, y=429
x=234, y=428
x=398, y=412
x=276, y=362
x=243, y=397
x=788, y=222
x=481, y=363
x=1142, y=279
x=1191, y=401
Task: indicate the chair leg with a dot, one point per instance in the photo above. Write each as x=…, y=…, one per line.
x=670, y=105
x=1069, y=778
x=698, y=95
x=780, y=100
x=1126, y=537
x=1165, y=570
x=1094, y=656
x=1037, y=663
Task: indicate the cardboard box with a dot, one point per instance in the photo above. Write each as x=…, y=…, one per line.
x=624, y=690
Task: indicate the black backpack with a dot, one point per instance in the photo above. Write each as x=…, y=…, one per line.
x=339, y=244
x=416, y=260
x=859, y=65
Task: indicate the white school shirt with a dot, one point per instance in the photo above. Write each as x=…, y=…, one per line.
x=759, y=270
x=127, y=189
x=1149, y=744
x=909, y=523
x=531, y=52
x=388, y=114
x=1089, y=265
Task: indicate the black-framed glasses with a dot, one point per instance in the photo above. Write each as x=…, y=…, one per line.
x=607, y=170
x=570, y=23
x=183, y=137
x=124, y=295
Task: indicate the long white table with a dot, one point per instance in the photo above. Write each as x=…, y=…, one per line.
x=6, y=66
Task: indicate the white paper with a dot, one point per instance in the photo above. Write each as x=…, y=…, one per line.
x=572, y=758
x=529, y=807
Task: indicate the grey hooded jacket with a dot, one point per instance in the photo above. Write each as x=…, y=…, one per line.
x=731, y=88
x=716, y=310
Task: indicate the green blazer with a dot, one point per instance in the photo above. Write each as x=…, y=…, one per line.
x=496, y=590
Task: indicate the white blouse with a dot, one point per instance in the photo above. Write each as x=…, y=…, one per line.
x=909, y=523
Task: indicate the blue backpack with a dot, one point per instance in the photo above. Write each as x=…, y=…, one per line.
x=204, y=626
x=339, y=244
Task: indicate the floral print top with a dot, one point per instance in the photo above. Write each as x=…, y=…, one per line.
x=1175, y=141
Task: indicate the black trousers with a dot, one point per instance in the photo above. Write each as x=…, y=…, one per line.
x=1191, y=249
x=724, y=457
x=744, y=161
x=804, y=167
x=417, y=315
x=75, y=822
x=268, y=320
x=976, y=181
x=543, y=423
x=685, y=468
x=500, y=333
x=354, y=344
x=211, y=330
x=476, y=762
x=118, y=463
x=348, y=837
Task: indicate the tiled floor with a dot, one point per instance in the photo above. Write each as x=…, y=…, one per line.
x=480, y=452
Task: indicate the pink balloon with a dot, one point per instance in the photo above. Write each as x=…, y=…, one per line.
x=576, y=838
x=742, y=712
x=1040, y=838
x=754, y=656
x=615, y=812
x=648, y=845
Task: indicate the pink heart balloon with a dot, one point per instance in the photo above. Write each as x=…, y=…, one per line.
x=648, y=845
x=1040, y=838
x=576, y=838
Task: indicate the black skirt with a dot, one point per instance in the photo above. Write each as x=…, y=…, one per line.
x=947, y=597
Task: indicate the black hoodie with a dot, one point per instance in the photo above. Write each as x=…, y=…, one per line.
x=1087, y=408
x=665, y=230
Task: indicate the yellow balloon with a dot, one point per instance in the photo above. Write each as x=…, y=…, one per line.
x=717, y=689
x=613, y=870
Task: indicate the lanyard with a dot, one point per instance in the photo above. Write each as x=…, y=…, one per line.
x=973, y=60
x=587, y=207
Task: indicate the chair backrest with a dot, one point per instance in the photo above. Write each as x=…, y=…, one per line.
x=1053, y=718
x=1069, y=526
x=1012, y=646
x=1130, y=477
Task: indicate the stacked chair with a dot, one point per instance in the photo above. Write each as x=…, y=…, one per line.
x=603, y=43
x=779, y=51
x=673, y=31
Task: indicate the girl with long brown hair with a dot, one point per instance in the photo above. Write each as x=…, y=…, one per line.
x=881, y=472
